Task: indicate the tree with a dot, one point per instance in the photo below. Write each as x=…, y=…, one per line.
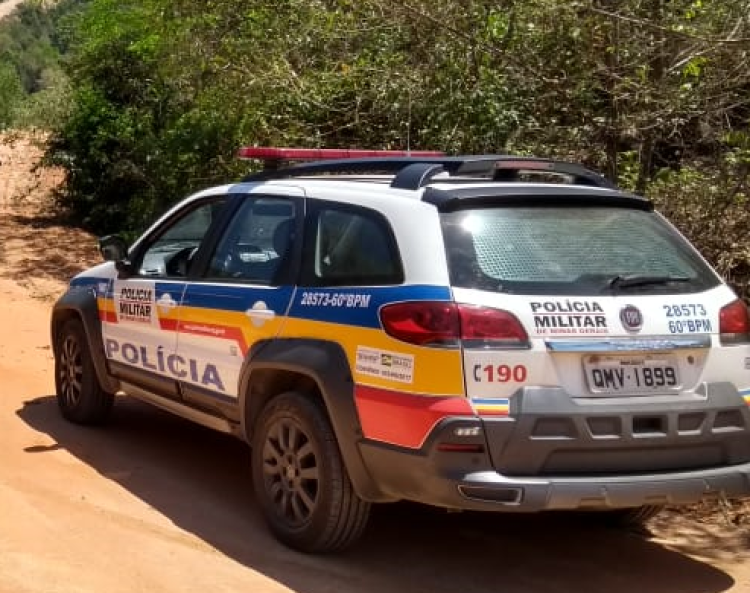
x=167, y=90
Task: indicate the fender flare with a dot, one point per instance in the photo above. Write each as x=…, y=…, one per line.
x=309, y=361
x=81, y=303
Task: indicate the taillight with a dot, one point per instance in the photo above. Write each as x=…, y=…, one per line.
x=734, y=323
x=483, y=326
x=429, y=323
x=423, y=323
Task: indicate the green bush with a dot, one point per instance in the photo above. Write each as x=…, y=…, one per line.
x=11, y=94
x=162, y=92
x=712, y=208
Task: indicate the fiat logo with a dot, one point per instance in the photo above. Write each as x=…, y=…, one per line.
x=631, y=318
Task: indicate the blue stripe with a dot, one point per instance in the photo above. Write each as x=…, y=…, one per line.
x=236, y=298
x=358, y=306
x=346, y=306
x=87, y=281
x=173, y=288
x=490, y=402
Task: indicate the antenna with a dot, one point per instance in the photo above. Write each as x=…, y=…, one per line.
x=408, y=125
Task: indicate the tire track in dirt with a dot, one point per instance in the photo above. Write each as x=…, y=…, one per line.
x=38, y=250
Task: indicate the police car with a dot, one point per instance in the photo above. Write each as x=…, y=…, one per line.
x=477, y=332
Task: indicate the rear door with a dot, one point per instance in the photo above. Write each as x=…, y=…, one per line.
x=241, y=296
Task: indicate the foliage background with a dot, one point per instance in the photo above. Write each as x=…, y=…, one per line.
x=147, y=100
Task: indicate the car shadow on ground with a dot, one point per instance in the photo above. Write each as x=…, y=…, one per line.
x=406, y=547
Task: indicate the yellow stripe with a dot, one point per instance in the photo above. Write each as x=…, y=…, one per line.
x=436, y=371
x=493, y=409
x=105, y=304
x=236, y=319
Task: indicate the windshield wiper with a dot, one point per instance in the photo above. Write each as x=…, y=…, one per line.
x=632, y=280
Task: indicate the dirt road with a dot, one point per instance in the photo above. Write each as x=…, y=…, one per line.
x=152, y=503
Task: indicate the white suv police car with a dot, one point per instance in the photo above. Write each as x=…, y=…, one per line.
x=480, y=332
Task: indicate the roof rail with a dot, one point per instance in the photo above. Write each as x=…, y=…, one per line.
x=416, y=169
x=275, y=158
x=371, y=166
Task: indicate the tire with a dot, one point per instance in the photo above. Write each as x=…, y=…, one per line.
x=80, y=397
x=300, y=480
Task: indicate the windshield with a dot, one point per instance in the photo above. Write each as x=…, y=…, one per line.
x=570, y=250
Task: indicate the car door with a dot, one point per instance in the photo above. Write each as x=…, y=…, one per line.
x=240, y=297
x=140, y=324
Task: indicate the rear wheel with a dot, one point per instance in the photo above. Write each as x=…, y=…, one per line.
x=80, y=397
x=300, y=480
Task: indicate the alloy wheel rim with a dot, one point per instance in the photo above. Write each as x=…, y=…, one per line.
x=290, y=472
x=71, y=371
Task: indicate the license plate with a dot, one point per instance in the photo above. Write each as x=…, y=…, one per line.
x=623, y=375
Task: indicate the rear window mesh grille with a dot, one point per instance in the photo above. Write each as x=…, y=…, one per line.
x=566, y=248
x=531, y=246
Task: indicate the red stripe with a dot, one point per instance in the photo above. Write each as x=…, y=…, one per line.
x=107, y=316
x=169, y=325
x=224, y=332
x=483, y=412
x=404, y=419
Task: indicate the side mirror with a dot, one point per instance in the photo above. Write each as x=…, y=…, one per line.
x=113, y=248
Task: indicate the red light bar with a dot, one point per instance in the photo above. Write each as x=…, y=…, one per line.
x=525, y=165
x=314, y=154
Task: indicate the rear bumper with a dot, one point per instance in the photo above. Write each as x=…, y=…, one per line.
x=551, y=433
x=631, y=491
x=556, y=452
x=463, y=480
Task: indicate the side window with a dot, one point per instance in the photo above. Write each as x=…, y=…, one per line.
x=171, y=253
x=257, y=245
x=350, y=247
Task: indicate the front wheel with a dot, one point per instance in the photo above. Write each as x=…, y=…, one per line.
x=80, y=397
x=300, y=480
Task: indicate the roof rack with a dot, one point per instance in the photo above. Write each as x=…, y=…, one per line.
x=412, y=170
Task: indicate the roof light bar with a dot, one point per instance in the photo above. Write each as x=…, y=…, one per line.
x=312, y=154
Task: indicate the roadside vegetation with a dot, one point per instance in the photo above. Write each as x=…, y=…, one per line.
x=148, y=100
x=34, y=89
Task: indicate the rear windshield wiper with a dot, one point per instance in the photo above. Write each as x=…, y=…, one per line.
x=632, y=280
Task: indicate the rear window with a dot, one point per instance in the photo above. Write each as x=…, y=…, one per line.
x=573, y=250
x=349, y=246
